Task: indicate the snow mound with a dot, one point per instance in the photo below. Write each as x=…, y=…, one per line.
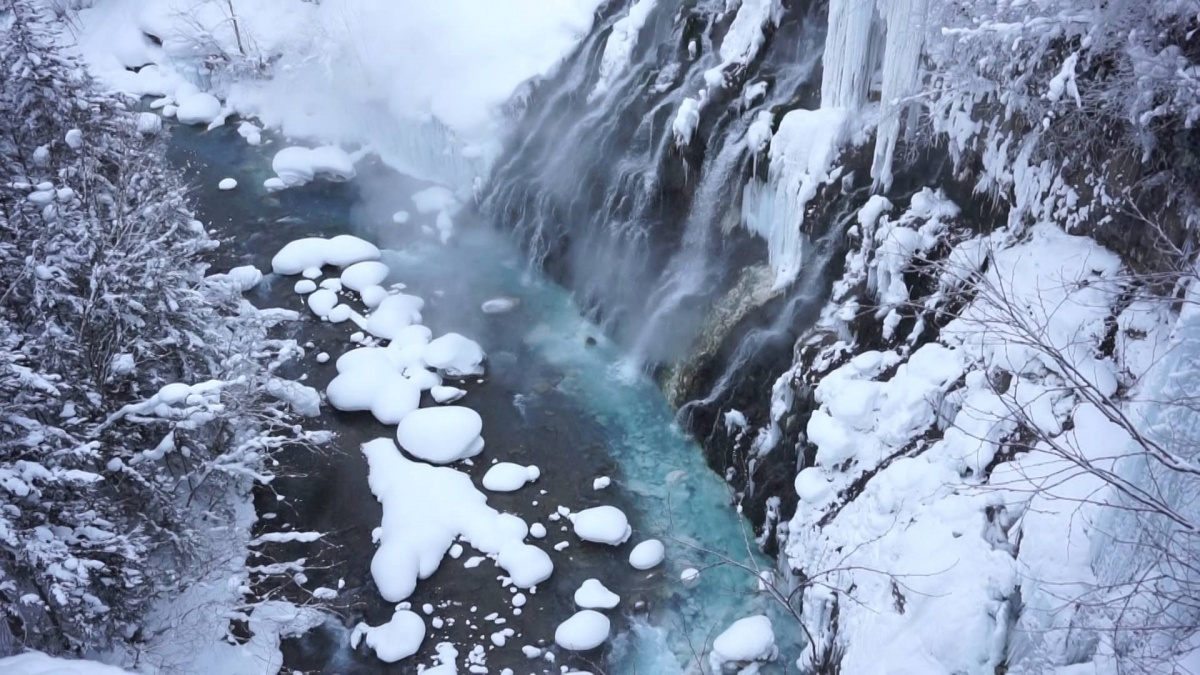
x=509, y=477
x=455, y=355
x=227, y=184
x=602, y=524
x=747, y=640
x=298, y=165
x=425, y=508
x=584, y=631
x=441, y=435
x=592, y=594
x=198, y=108
x=397, y=639
x=648, y=554
x=316, y=252
x=394, y=314
x=363, y=275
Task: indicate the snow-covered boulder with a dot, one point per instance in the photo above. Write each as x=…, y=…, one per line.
x=509, y=477
x=602, y=524
x=647, y=555
x=198, y=108
x=587, y=629
x=746, y=641
x=441, y=435
x=592, y=594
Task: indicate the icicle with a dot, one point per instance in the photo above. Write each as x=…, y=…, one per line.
x=852, y=48
x=901, y=60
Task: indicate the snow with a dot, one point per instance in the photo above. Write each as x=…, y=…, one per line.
x=198, y=108
x=397, y=639
x=601, y=483
x=441, y=435
x=240, y=278
x=618, y=50
x=689, y=577
x=37, y=663
x=425, y=508
x=400, y=217
x=455, y=355
x=509, y=477
x=360, y=276
x=444, y=394
x=687, y=119
x=322, y=301
x=394, y=314
x=298, y=165
x=647, y=554
x=587, y=629
x=749, y=639
x=602, y=524
x=227, y=184
x=305, y=286
x=435, y=199
x=499, y=305
x=149, y=124
x=745, y=37
x=316, y=252
x=802, y=154
x=592, y=594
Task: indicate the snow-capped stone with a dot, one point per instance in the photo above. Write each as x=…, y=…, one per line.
x=602, y=524
x=340, y=251
x=441, y=435
x=227, y=184
x=747, y=640
x=690, y=577
x=499, y=305
x=601, y=483
x=592, y=594
x=321, y=301
x=647, y=554
x=455, y=355
x=198, y=108
x=148, y=124
x=394, y=314
x=537, y=530
x=584, y=631
x=360, y=276
x=446, y=394
x=74, y=139
x=251, y=132
x=509, y=477
x=397, y=639
x=297, y=165
x=274, y=184
x=305, y=286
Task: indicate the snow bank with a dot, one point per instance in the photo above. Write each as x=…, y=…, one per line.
x=37, y=663
x=425, y=508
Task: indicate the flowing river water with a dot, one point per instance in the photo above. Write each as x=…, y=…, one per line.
x=554, y=396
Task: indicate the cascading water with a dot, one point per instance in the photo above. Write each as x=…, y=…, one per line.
x=604, y=195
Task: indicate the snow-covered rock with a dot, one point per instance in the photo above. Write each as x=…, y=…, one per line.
x=198, y=108
x=227, y=184
x=441, y=435
x=747, y=640
x=647, y=554
x=316, y=252
x=587, y=629
x=397, y=639
x=509, y=477
x=602, y=524
x=455, y=355
x=592, y=594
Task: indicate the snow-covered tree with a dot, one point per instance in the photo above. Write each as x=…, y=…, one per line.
x=132, y=387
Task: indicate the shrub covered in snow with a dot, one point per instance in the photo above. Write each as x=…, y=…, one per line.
x=129, y=383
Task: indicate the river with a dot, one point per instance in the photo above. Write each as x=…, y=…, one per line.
x=555, y=395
